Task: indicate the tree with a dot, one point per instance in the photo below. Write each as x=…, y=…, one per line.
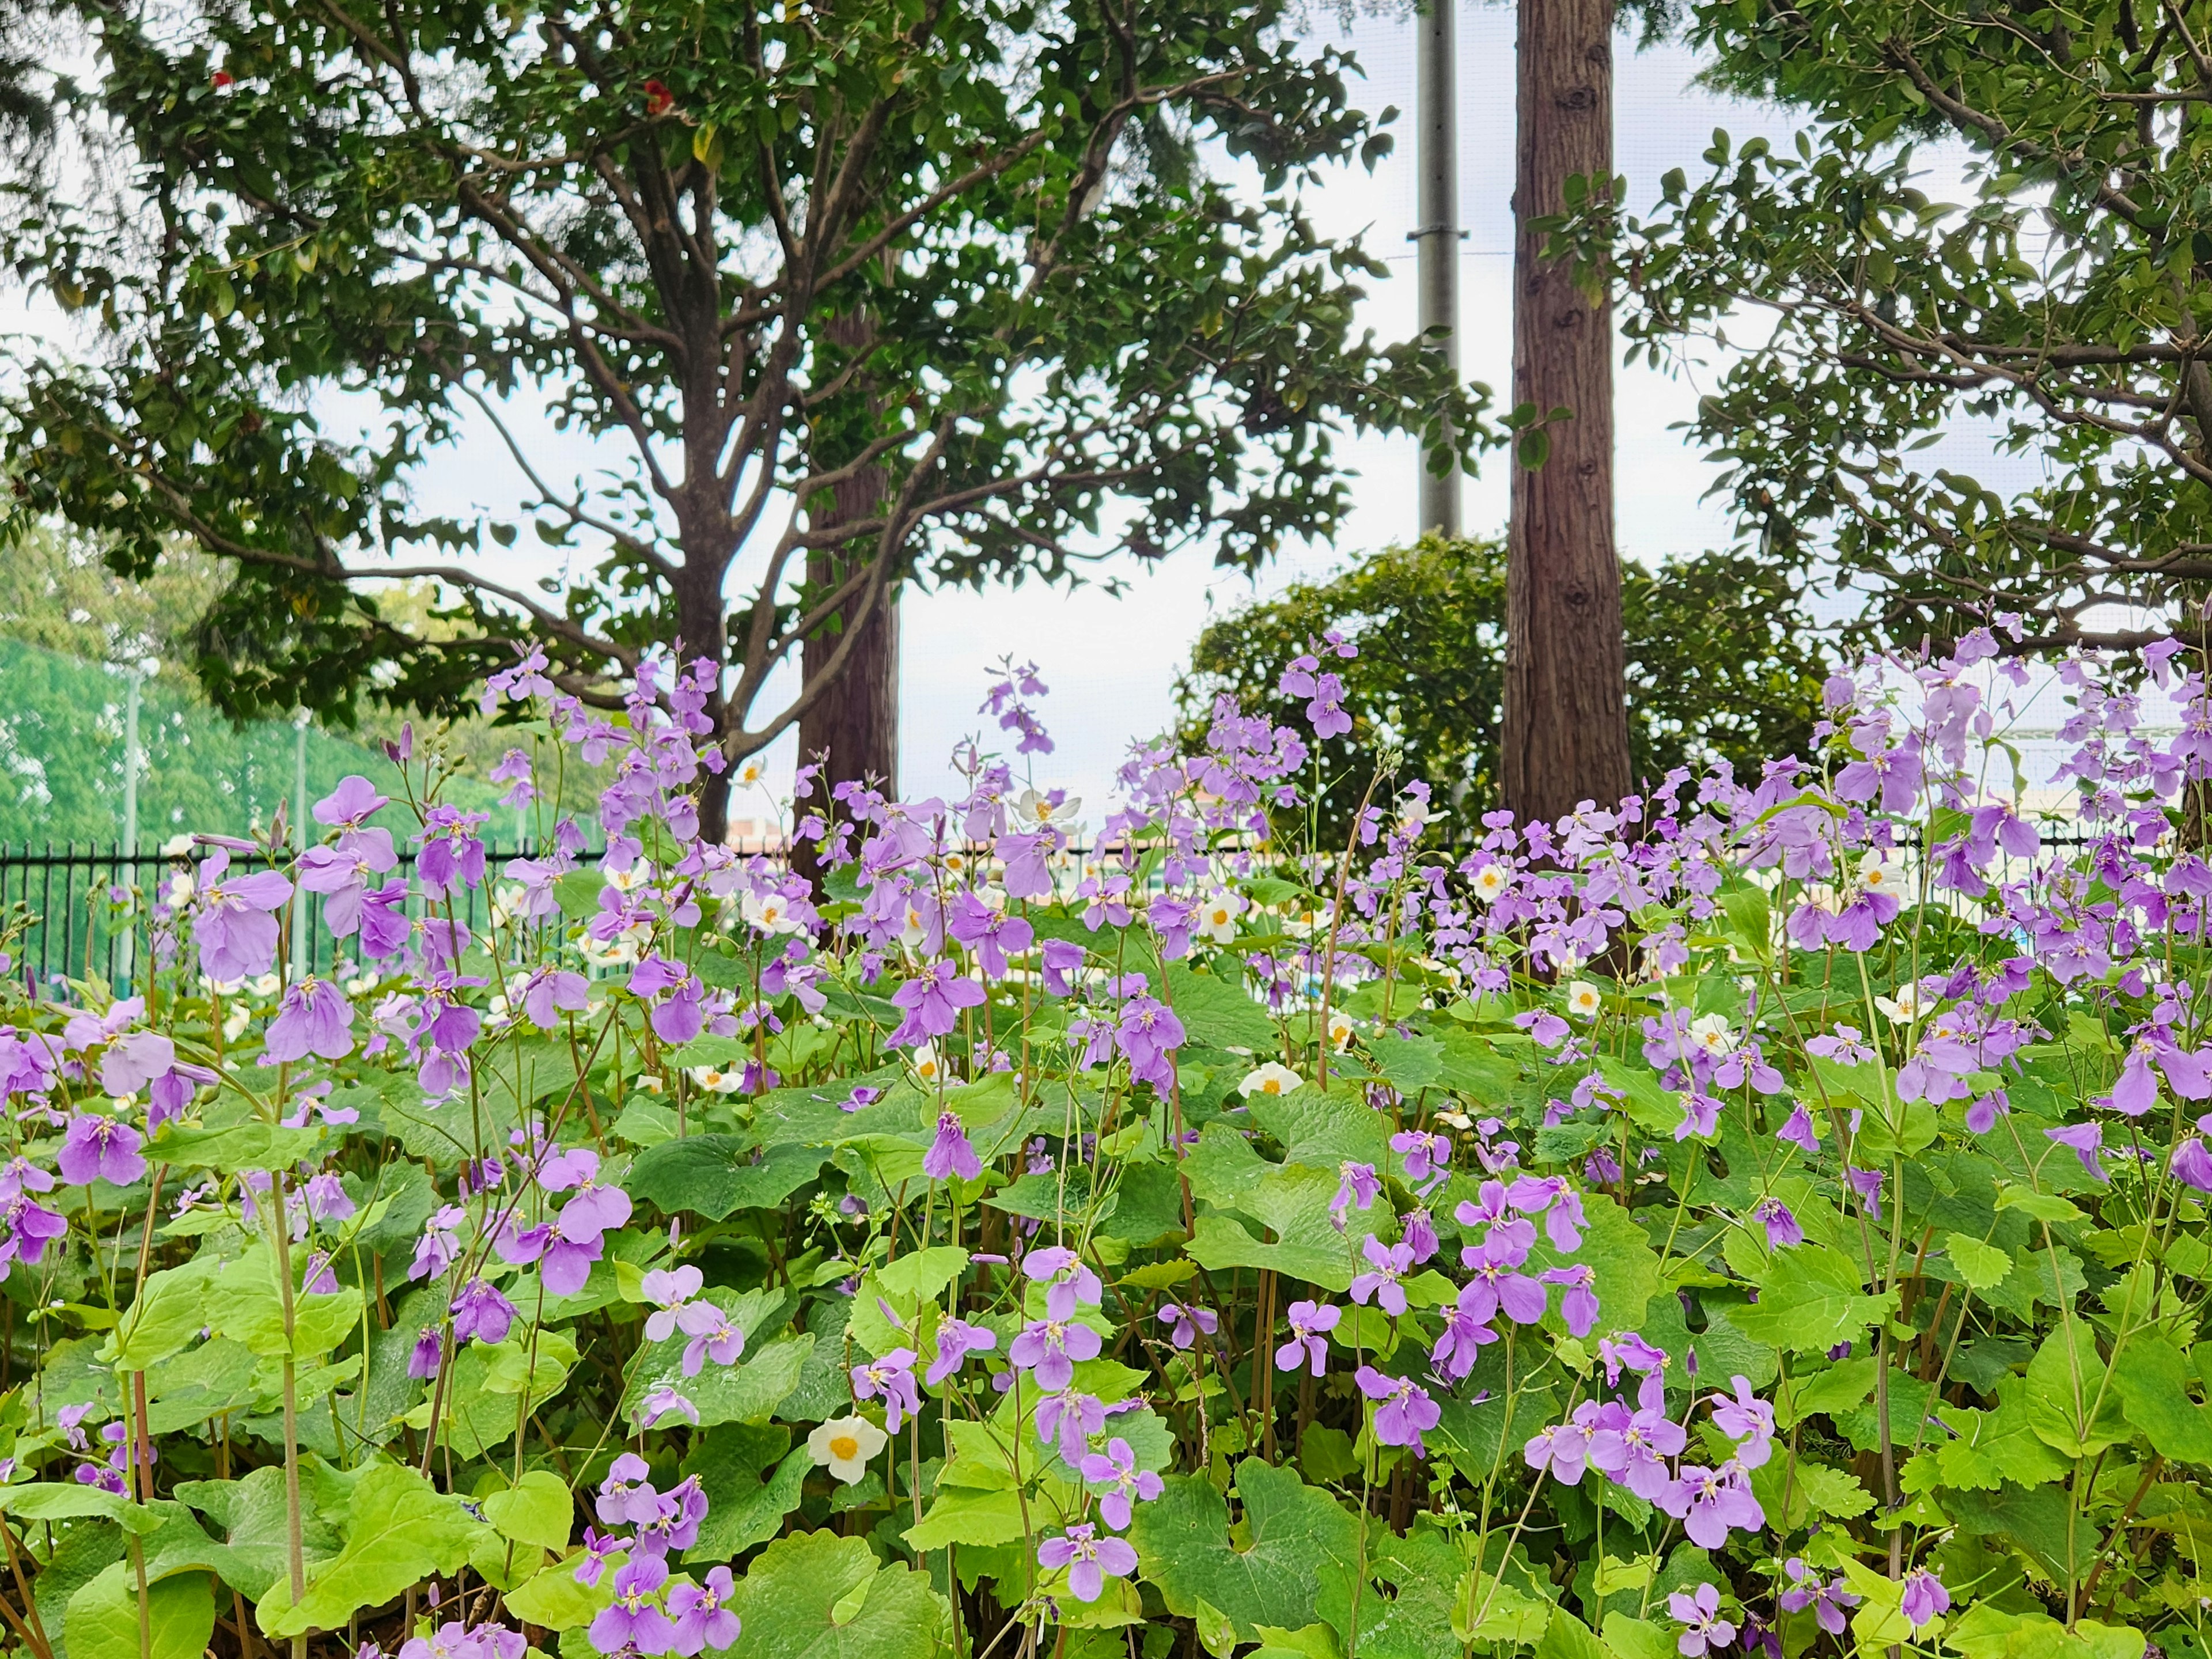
x=2065, y=302
x=1565, y=736
x=1077, y=341
x=1723, y=664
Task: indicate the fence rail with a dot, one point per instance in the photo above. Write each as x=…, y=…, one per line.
x=61, y=909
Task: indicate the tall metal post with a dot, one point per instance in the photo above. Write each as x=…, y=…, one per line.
x=1439, y=235
x=134, y=761
x=299, y=830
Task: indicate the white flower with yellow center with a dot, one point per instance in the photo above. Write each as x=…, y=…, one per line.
x=1033, y=810
x=1216, y=917
x=652, y=1082
x=913, y=934
x=927, y=1065
x=1271, y=1079
x=1904, y=1006
x=1583, y=999
x=1342, y=1028
x=749, y=773
x=845, y=1446
x=1714, y=1033
x=630, y=880
x=179, y=890
x=1492, y=880
x=177, y=846
x=771, y=913
x=1875, y=874
x=956, y=863
x=716, y=1079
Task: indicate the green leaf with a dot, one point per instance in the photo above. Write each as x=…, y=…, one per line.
x=1635, y=1638
x=2069, y=1406
x=1411, y=1064
x=1983, y=1266
x=1295, y=1545
x=552, y=1597
x=1811, y=1299
x=747, y=1392
x=246, y=1304
x=1995, y=1447
x=815, y=1597
x=1567, y=1637
x=743, y=1510
x=922, y=1273
x=399, y=1530
x=163, y=1320
x=1218, y=1013
x=965, y=1515
x=103, y=1616
x=537, y=1509
x=2153, y=1382
x=715, y=1175
x=2039, y=1207
x=1986, y=1631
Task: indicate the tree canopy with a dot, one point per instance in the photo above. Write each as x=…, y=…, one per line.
x=2064, y=300
x=761, y=248
x=1724, y=664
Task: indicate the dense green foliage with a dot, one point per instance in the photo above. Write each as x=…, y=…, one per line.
x=1724, y=664
x=969, y=246
x=2061, y=304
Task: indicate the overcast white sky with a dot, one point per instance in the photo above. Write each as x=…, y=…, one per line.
x=1111, y=662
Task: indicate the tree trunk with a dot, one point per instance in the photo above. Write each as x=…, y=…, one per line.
x=854, y=722
x=1566, y=720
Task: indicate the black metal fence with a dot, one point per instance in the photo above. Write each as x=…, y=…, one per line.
x=82, y=912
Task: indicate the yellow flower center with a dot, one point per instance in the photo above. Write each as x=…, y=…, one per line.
x=844, y=1446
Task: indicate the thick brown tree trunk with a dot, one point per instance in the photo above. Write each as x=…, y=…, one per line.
x=855, y=723
x=1566, y=720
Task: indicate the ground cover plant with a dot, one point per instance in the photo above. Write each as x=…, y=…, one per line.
x=1766, y=1215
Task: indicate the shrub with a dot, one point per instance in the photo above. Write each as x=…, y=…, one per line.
x=1764, y=1214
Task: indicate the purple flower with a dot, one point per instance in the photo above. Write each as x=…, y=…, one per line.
x=1563, y=1449
x=1357, y=1184
x=1403, y=1408
x=1868, y=1184
x=235, y=929
x=354, y=799
x=950, y=1154
x=1982, y=1116
x=1188, y=1322
x=665, y=1401
x=1149, y=1034
x=990, y=934
x=1428, y=1157
x=1116, y=1469
x=1782, y=1229
x=634, y=1619
x=566, y=1263
x=1051, y=1347
x=315, y=1019
x=892, y=1377
x=595, y=1209
x=1704, y=1630
x=2088, y=1141
x=1634, y=1453
x=702, y=1618
x=1799, y=1131
x=103, y=1146
x=1074, y=1417
x=1709, y=1502
x=551, y=990
x=674, y=1524
x=1578, y=1307
x=1089, y=1559
x=1925, y=1599
x=1309, y=1321
x=1745, y=1419
x=956, y=1340
x=713, y=1337
x=440, y=1244
x=1385, y=1264
x=597, y=1547
x=1069, y=1281
x=1465, y=1336
x=670, y=1290
x=932, y=1001
x=1498, y=1282
x=429, y=1349
x=1827, y=1600
x=2192, y=1164
x=626, y=1496
x=481, y=1314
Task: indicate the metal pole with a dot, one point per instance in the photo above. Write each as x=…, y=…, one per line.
x=299, y=830
x=133, y=761
x=1439, y=234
